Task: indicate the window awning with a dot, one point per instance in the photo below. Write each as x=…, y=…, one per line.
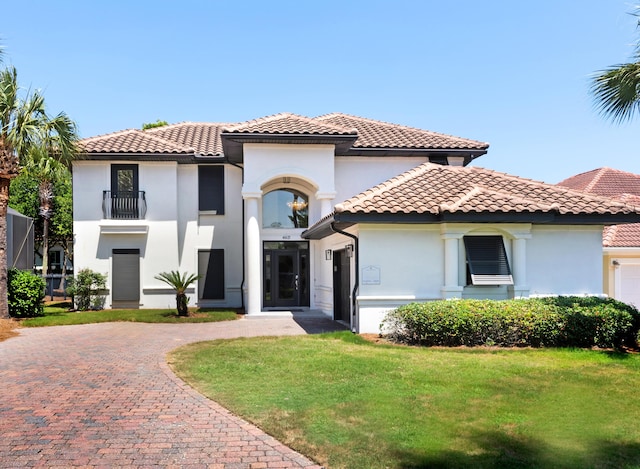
x=487, y=260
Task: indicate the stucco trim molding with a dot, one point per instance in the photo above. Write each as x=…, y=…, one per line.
x=124, y=229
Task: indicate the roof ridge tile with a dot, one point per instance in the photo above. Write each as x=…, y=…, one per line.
x=245, y=126
x=111, y=134
x=432, y=188
x=169, y=146
x=259, y=120
x=394, y=126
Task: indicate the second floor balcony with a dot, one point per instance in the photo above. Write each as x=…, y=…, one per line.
x=124, y=205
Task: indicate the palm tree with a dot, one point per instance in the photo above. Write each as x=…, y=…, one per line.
x=46, y=170
x=616, y=89
x=24, y=124
x=179, y=282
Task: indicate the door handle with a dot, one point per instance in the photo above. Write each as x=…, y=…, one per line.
x=295, y=283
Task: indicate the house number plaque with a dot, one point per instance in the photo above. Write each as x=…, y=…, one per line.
x=371, y=275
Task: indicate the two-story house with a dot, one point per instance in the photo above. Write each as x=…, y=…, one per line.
x=335, y=214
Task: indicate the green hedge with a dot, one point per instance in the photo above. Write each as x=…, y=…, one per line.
x=536, y=322
x=25, y=292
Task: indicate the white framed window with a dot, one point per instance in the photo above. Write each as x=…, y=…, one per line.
x=487, y=262
x=285, y=208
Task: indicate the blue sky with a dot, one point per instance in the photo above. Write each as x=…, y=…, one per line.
x=514, y=74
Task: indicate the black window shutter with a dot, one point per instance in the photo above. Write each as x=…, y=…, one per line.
x=211, y=270
x=211, y=189
x=487, y=260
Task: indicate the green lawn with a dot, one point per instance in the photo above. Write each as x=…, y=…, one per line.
x=58, y=314
x=348, y=403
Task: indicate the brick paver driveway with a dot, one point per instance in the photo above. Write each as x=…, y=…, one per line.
x=101, y=395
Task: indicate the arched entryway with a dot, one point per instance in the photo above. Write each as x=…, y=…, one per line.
x=286, y=269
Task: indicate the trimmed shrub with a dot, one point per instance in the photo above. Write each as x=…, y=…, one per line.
x=25, y=292
x=538, y=322
x=87, y=290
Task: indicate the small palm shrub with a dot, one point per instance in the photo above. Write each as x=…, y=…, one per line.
x=25, y=292
x=87, y=290
x=537, y=322
x=179, y=282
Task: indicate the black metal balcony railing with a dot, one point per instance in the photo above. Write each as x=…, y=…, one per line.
x=127, y=205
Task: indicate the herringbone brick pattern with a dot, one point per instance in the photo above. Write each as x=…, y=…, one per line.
x=102, y=395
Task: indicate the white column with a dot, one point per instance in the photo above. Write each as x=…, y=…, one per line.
x=519, y=266
x=326, y=202
x=451, y=288
x=254, y=290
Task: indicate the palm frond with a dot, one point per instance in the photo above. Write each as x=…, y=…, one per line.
x=62, y=137
x=24, y=122
x=39, y=163
x=179, y=282
x=616, y=91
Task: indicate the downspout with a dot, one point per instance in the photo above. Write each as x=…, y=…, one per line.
x=357, y=279
x=243, y=238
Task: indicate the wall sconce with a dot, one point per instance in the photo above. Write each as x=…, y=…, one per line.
x=349, y=248
x=327, y=254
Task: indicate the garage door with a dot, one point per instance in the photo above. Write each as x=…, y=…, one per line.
x=630, y=284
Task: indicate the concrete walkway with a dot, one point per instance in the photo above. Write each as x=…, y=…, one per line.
x=102, y=395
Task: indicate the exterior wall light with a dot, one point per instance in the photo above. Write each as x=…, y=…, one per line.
x=328, y=254
x=349, y=248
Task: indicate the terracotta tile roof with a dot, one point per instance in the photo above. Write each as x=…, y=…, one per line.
x=287, y=123
x=620, y=185
x=133, y=141
x=605, y=181
x=378, y=134
x=204, y=138
x=437, y=189
x=630, y=199
x=621, y=236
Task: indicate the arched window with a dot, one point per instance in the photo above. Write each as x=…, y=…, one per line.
x=285, y=208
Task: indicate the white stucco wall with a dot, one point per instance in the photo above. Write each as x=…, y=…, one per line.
x=355, y=174
x=170, y=235
x=565, y=260
x=406, y=263
x=398, y=264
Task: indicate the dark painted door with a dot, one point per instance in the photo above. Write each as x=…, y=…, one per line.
x=341, y=286
x=124, y=191
x=286, y=276
x=125, y=284
x=211, y=271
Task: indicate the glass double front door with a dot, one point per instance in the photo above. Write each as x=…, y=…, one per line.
x=286, y=274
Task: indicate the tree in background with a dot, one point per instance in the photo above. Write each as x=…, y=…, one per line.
x=25, y=124
x=153, y=125
x=43, y=191
x=25, y=199
x=617, y=89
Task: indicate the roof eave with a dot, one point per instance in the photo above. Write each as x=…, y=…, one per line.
x=325, y=227
x=346, y=219
x=232, y=142
x=105, y=156
x=469, y=154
